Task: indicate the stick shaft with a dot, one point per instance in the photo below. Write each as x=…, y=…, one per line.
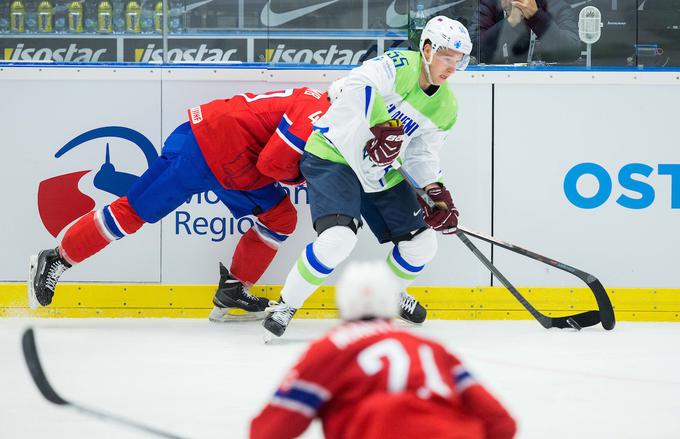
x=32, y=358
x=545, y=321
x=588, y=318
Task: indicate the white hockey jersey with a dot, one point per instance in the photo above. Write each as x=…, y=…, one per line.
x=386, y=88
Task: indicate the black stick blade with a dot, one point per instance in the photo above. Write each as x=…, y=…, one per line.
x=603, y=302
x=34, y=366
x=583, y=320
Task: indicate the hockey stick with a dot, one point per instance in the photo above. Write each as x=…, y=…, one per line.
x=577, y=321
x=40, y=379
x=605, y=315
x=606, y=311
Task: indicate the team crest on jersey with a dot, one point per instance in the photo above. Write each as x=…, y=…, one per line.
x=196, y=115
x=61, y=199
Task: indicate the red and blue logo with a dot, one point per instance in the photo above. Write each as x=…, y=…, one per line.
x=60, y=201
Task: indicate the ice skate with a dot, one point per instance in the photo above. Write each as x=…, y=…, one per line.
x=279, y=315
x=44, y=271
x=410, y=309
x=233, y=302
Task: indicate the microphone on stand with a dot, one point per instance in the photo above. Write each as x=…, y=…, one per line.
x=589, y=29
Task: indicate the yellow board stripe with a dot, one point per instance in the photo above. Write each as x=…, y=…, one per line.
x=450, y=303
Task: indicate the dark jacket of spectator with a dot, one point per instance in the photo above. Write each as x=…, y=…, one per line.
x=554, y=24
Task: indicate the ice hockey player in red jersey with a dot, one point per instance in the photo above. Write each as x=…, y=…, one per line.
x=369, y=378
x=239, y=148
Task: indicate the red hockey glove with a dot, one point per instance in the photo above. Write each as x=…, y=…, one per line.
x=384, y=148
x=444, y=215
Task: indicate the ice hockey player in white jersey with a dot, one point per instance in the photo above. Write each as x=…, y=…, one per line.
x=398, y=106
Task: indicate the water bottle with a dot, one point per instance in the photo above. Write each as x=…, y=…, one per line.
x=75, y=17
x=133, y=17
x=104, y=17
x=17, y=16
x=60, y=19
x=45, y=13
x=419, y=19
x=158, y=17
x=147, y=18
x=176, y=17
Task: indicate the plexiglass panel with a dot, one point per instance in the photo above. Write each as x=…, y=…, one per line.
x=334, y=32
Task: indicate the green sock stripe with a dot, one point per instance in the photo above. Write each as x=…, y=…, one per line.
x=395, y=269
x=306, y=274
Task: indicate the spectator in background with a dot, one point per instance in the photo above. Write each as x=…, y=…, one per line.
x=525, y=31
x=371, y=379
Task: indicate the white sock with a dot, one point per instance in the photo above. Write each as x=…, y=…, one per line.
x=408, y=258
x=316, y=263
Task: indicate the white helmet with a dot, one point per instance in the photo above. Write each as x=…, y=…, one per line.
x=335, y=88
x=367, y=289
x=443, y=32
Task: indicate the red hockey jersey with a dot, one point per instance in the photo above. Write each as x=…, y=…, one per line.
x=373, y=380
x=251, y=140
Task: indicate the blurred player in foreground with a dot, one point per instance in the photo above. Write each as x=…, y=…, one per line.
x=371, y=379
x=397, y=107
x=239, y=148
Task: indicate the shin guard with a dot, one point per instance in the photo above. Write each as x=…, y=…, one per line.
x=316, y=263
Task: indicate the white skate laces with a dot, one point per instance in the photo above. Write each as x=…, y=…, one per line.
x=281, y=313
x=57, y=268
x=408, y=302
x=243, y=290
x=247, y=294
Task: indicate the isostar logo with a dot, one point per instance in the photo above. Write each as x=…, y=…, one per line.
x=70, y=53
x=330, y=55
x=60, y=198
x=152, y=53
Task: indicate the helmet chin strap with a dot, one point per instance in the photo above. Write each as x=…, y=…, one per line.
x=427, y=63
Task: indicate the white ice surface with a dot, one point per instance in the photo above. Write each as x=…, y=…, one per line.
x=203, y=380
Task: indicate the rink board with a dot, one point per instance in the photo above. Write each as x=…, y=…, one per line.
x=446, y=303
x=618, y=220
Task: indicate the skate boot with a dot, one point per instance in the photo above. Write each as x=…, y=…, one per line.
x=233, y=302
x=411, y=310
x=278, y=318
x=45, y=269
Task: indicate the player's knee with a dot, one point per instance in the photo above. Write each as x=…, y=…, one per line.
x=328, y=221
x=281, y=219
x=120, y=214
x=420, y=249
x=334, y=245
